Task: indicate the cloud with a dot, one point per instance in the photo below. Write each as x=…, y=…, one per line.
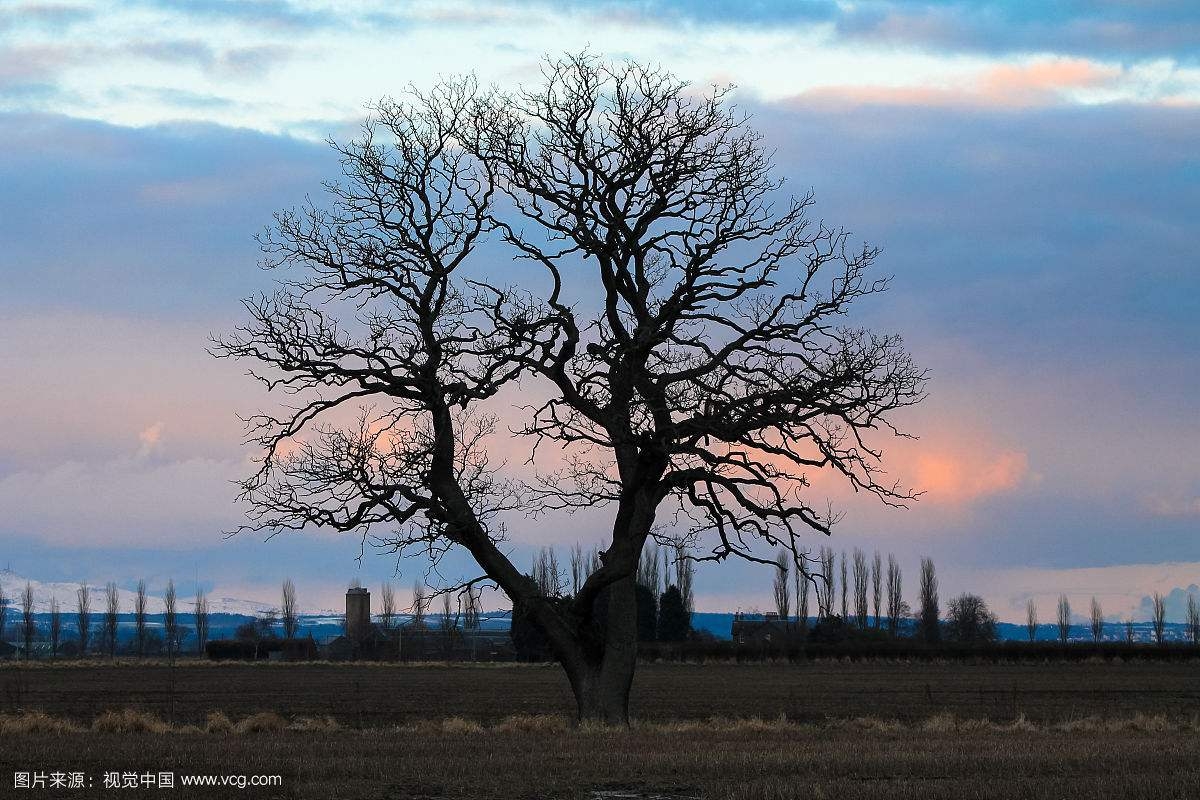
x=272, y=14
x=154, y=220
x=35, y=64
x=123, y=502
x=57, y=17
x=1038, y=83
x=1174, y=506
x=1121, y=589
x=956, y=479
x=1117, y=29
x=1175, y=601
x=1109, y=29
x=149, y=438
x=226, y=62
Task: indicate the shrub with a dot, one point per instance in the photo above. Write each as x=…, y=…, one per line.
x=458, y=725
x=532, y=723
x=36, y=722
x=262, y=722
x=217, y=722
x=129, y=720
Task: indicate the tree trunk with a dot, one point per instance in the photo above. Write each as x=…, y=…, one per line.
x=602, y=680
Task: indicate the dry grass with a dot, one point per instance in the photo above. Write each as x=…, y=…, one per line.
x=458, y=725
x=850, y=731
x=311, y=724
x=740, y=759
x=28, y=722
x=130, y=720
x=532, y=723
x=262, y=722
x=135, y=721
x=218, y=722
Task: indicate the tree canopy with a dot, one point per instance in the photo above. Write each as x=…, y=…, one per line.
x=711, y=367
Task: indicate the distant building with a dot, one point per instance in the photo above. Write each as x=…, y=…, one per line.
x=358, y=613
x=363, y=639
x=760, y=629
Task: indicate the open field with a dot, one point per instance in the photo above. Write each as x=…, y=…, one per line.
x=377, y=695
x=851, y=730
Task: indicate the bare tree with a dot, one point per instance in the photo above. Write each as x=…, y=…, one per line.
x=861, y=578
x=55, y=626
x=802, y=581
x=1064, y=619
x=83, y=616
x=387, y=610
x=448, y=624
x=877, y=588
x=3, y=612
x=546, y=574
x=419, y=604
x=1159, y=617
x=845, y=587
x=139, y=617
x=1097, y=620
x=782, y=586
x=1129, y=630
x=895, y=594
x=648, y=573
x=929, y=612
x=969, y=620
x=825, y=584
x=28, y=627
x=200, y=611
x=1193, y=620
x=112, y=607
x=471, y=610
x=288, y=612
x=171, y=619
x=1031, y=619
x=578, y=568
x=713, y=372
x=685, y=576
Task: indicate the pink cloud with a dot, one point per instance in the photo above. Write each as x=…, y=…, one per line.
x=961, y=477
x=1006, y=86
x=150, y=437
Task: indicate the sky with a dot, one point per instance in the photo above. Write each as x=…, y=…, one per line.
x=1029, y=169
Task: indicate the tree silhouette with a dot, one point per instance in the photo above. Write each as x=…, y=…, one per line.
x=781, y=587
x=1064, y=619
x=969, y=620
x=171, y=619
x=673, y=621
x=647, y=613
x=83, y=616
x=714, y=368
x=1159, y=616
x=139, y=617
x=289, y=613
x=928, y=624
x=28, y=627
x=200, y=612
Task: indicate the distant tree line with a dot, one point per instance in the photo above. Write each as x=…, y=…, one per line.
x=872, y=606
x=663, y=593
x=95, y=632
x=835, y=599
